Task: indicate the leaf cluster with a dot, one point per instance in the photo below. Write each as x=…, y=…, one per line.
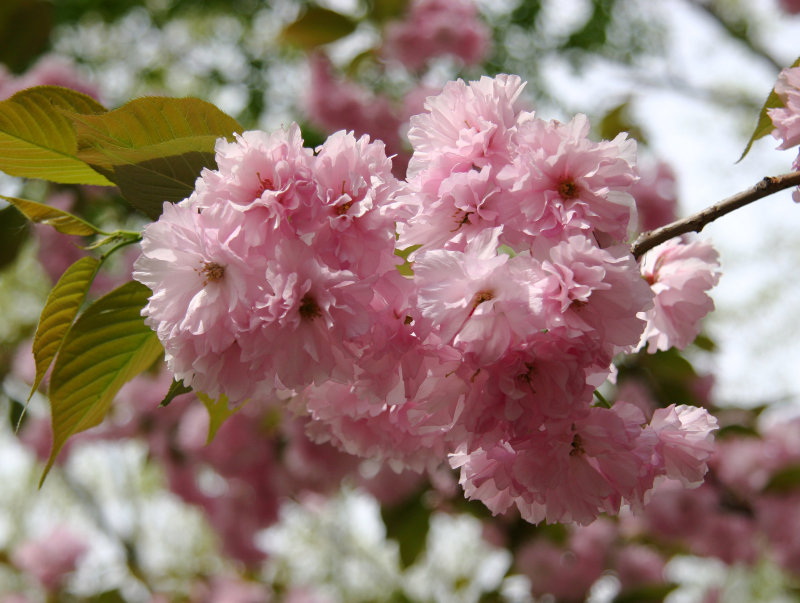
x=152, y=149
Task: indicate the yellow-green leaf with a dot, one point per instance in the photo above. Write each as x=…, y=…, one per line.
x=107, y=346
x=318, y=26
x=59, y=311
x=218, y=413
x=764, y=126
x=176, y=388
x=37, y=140
x=153, y=148
x=61, y=220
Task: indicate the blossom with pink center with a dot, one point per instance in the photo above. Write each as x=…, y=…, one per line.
x=354, y=228
x=465, y=204
x=271, y=170
x=480, y=301
x=786, y=119
x=685, y=441
x=594, y=292
x=465, y=125
x=565, y=470
x=306, y=329
x=50, y=558
x=546, y=380
x=679, y=274
x=389, y=433
x=565, y=182
x=205, y=270
x=435, y=28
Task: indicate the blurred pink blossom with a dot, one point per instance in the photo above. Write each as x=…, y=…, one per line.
x=50, y=558
x=434, y=28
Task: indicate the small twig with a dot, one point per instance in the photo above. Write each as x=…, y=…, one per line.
x=696, y=223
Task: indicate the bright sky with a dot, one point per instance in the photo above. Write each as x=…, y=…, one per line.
x=755, y=324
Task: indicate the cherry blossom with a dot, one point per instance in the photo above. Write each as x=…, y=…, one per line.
x=679, y=274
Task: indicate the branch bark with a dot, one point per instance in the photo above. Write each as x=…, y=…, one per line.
x=695, y=223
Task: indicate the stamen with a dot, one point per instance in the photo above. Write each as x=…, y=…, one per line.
x=568, y=189
x=577, y=446
x=309, y=309
x=212, y=272
x=482, y=296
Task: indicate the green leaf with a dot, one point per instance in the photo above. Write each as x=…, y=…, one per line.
x=646, y=593
x=177, y=388
x=317, y=26
x=408, y=523
x=764, y=126
x=594, y=33
x=153, y=148
x=784, y=480
x=25, y=27
x=107, y=346
x=59, y=311
x=407, y=267
x=13, y=232
x=38, y=141
x=385, y=10
x=218, y=413
x=62, y=221
x=618, y=120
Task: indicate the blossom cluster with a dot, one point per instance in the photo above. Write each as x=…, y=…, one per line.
x=279, y=276
x=786, y=119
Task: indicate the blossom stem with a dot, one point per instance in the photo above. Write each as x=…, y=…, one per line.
x=696, y=222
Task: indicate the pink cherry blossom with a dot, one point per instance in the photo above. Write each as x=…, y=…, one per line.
x=567, y=571
x=206, y=277
x=50, y=70
x=50, y=558
x=791, y=6
x=270, y=170
x=434, y=28
x=565, y=470
x=679, y=274
x=685, y=441
x=337, y=104
x=655, y=196
x=480, y=301
x=465, y=125
x=355, y=186
x=594, y=292
x=313, y=314
x=388, y=433
x=565, y=182
x=786, y=119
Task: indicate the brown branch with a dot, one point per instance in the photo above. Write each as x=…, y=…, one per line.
x=695, y=223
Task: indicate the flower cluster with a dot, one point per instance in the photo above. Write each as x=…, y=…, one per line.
x=279, y=274
x=435, y=28
x=786, y=119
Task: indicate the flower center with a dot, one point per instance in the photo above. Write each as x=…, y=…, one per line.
x=577, y=446
x=568, y=189
x=343, y=208
x=482, y=296
x=309, y=309
x=212, y=272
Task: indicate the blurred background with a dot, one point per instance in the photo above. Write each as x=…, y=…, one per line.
x=141, y=510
